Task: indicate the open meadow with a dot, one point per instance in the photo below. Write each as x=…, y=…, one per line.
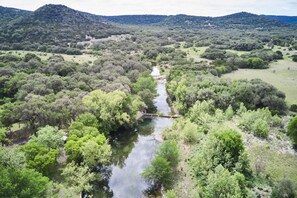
x=281, y=74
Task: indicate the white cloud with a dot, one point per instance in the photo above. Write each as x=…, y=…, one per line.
x=193, y=7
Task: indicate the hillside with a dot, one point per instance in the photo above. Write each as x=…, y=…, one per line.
x=136, y=19
x=241, y=20
x=286, y=19
x=54, y=25
x=8, y=14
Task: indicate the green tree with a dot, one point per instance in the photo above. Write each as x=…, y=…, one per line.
x=292, y=129
x=159, y=172
x=169, y=150
x=40, y=157
x=190, y=132
x=222, y=148
x=222, y=184
x=12, y=157
x=78, y=177
x=113, y=109
x=145, y=83
x=78, y=129
x=89, y=119
x=260, y=128
x=230, y=145
x=81, y=149
x=25, y=183
x=30, y=56
x=94, y=154
x=49, y=136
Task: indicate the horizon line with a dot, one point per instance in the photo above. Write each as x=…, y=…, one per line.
x=146, y=14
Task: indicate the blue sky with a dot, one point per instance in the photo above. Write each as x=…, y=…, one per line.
x=167, y=7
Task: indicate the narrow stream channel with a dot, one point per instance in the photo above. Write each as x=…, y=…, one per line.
x=134, y=150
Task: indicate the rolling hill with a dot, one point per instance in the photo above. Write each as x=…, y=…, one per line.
x=55, y=25
x=9, y=14
x=286, y=19
x=241, y=20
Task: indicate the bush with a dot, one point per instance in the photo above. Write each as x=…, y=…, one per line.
x=229, y=113
x=3, y=133
x=159, y=172
x=169, y=150
x=221, y=183
x=213, y=54
x=260, y=128
x=170, y=194
x=294, y=58
x=247, y=120
x=254, y=63
x=190, y=133
x=30, y=56
x=223, y=148
x=293, y=107
x=284, y=189
x=292, y=129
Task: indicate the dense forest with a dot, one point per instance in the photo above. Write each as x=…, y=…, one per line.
x=73, y=85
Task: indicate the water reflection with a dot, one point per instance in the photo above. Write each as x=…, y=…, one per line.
x=160, y=101
x=132, y=151
x=126, y=181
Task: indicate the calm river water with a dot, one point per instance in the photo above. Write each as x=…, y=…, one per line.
x=133, y=152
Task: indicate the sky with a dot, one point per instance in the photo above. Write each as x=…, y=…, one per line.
x=166, y=7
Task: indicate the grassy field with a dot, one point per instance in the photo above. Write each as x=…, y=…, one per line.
x=281, y=74
x=239, y=53
x=44, y=56
x=277, y=166
x=195, y=53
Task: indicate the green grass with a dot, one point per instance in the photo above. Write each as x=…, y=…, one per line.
x=277, y=166
x=281, y=74
x=239, y=53
x=84, y=58
x=195, y=53
x=17, y=126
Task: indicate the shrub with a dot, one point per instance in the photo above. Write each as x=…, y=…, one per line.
x=159, y=172
x=292, y=129
x=223, y=148
x=169, y=150
x=293, y=107
x=170, y=194
x=190, y=133
x=294, y=58
x=283, y=189
x=229, y=113
x=260, y=128
x=30, y=56
x=247, y=120
x=3, y=133
x=221, y=183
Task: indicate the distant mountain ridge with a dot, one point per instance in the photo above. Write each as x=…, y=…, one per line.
x=286, y=19
x=59, y=25
x=233, y=20
x=7, y=14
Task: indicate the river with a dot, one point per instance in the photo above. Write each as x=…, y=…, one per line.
x=133, y=152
